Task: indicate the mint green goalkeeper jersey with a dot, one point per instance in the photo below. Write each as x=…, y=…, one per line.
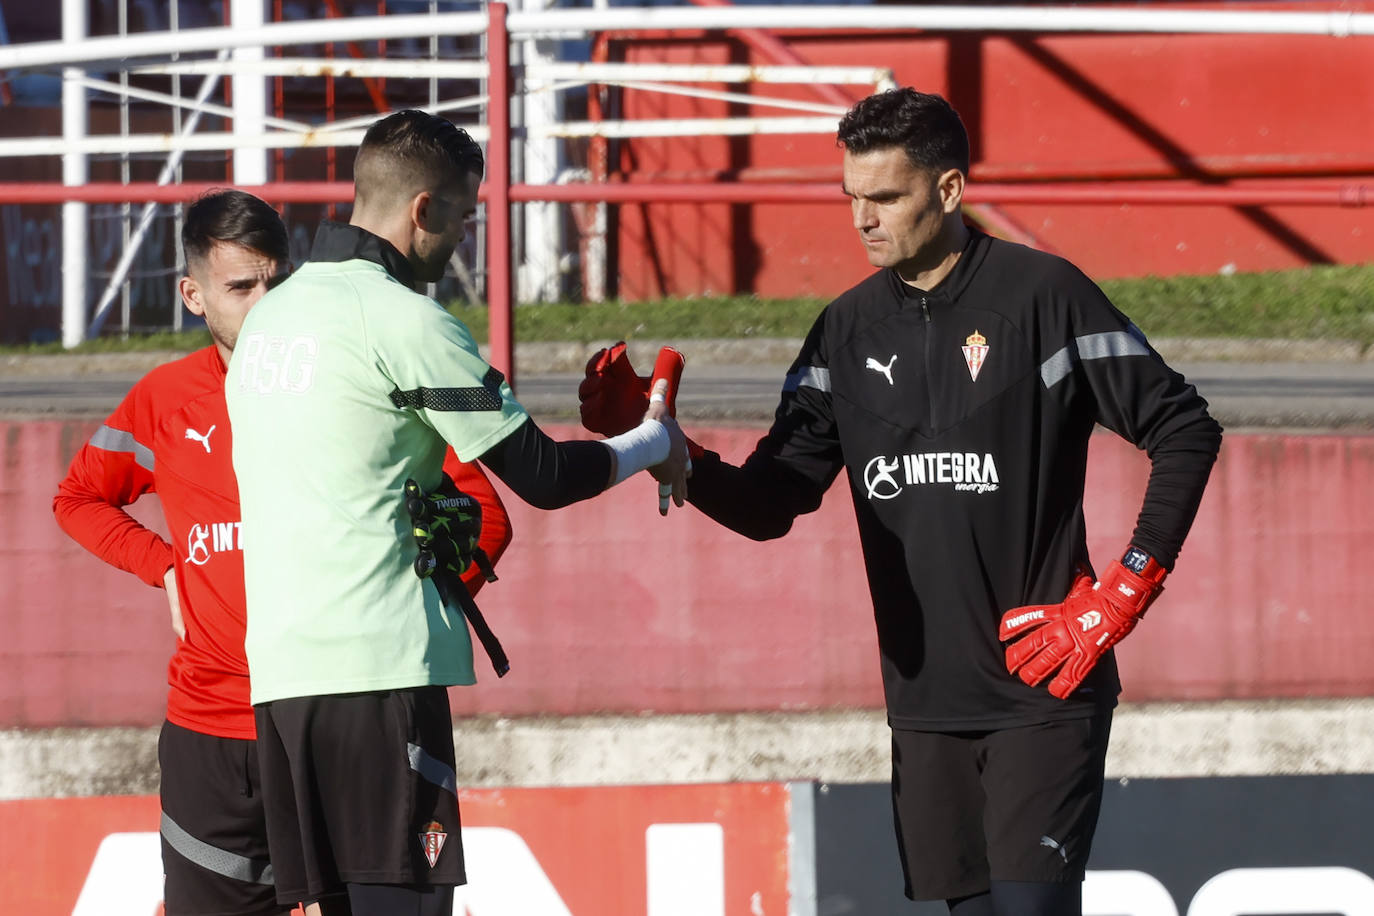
x=344, y=382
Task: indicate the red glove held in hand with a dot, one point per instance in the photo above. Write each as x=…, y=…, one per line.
x=612, y=396
x=1071, y=637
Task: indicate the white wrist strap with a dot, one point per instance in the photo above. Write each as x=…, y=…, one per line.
x=642, y=447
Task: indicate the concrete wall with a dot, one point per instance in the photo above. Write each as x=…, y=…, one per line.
x=607, y=608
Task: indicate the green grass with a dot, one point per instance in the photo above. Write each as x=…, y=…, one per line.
x=666, y=319
x=162, y=340
x=1331, y=303
x=1317, y=303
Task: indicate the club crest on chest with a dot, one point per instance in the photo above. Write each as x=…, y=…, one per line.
x=975, y=353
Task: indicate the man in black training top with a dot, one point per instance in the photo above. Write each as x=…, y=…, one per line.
x=958, y=387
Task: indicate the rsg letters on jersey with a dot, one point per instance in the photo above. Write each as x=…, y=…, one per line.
x=274, y=364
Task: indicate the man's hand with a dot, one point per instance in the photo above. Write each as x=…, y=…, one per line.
x=1072, y=636
x=169, y=582
x=671, y=474
x=613, y=397
x=667, y=374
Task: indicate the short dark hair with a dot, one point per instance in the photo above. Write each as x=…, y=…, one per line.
x=416, y=144
x=922, y=123
x=237, y=217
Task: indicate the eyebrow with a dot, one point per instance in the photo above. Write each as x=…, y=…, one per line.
x=879, y=194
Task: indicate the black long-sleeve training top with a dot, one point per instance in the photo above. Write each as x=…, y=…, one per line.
x=961, y=416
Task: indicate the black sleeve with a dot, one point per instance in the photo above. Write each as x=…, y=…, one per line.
x=1139, y=397
x=791, y=467
x=1182, y=441
x=548, y=474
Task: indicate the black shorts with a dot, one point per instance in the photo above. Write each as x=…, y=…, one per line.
x=360, y=788
x=214, y=836
x=1016, y=804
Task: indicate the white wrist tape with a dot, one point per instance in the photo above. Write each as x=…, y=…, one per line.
x=642, y=447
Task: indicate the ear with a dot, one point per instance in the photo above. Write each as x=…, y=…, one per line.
x=422, y=210
x=951, y=186
x=190, y=294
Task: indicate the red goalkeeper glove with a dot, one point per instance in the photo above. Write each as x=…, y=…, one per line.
x=613, y=398
x=1070, y=637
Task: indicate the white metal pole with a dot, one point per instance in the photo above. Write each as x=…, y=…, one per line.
x=565, y=23
x=250, y=96
x=539, y=274
x=163, y=44
x=598, y=252
x=75, y=171
x=1334, y=23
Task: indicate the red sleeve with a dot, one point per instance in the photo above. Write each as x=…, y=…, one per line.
x=496, y=531
x=111, y=471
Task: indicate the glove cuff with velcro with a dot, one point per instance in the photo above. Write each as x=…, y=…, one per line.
x=1133, y=582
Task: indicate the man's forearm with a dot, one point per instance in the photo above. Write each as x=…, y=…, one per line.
x=548, y=474
x=1178, y=475
x=753, y=500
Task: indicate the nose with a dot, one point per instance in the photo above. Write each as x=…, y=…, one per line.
x=865, y=214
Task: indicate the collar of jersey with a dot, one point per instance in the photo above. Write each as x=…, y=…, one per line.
x=342, y=242
x=949, y=289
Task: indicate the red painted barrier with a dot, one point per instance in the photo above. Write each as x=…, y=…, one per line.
x=720, y=849
x=1202, y=109
x=605, y=606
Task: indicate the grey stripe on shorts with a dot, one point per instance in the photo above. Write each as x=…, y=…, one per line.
x=432, y=769
x=212, y=858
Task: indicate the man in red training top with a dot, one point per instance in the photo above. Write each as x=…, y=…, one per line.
x=170, y=435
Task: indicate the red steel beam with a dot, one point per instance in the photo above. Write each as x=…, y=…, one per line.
x=375, y=88
x=497, y=188
x=499, y=197
x=1345, y=194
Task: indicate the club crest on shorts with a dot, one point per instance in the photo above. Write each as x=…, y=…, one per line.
x=975, y=353
x=432, y=838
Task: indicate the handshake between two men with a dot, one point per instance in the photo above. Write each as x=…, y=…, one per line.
x=615, y=400
x=1063, y=641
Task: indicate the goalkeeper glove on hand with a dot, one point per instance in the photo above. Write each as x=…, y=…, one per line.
x=613, y=398
x=1071, y=636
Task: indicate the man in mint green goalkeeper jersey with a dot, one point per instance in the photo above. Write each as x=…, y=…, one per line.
x=344, y=384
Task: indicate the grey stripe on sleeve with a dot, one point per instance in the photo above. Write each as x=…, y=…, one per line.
x=117, y=440
x=432, y=769
x=1111, y=344
x=212, y=858
x=809, y=377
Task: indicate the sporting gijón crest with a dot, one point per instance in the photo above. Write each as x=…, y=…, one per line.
x=975, y=353
x=432, y=838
